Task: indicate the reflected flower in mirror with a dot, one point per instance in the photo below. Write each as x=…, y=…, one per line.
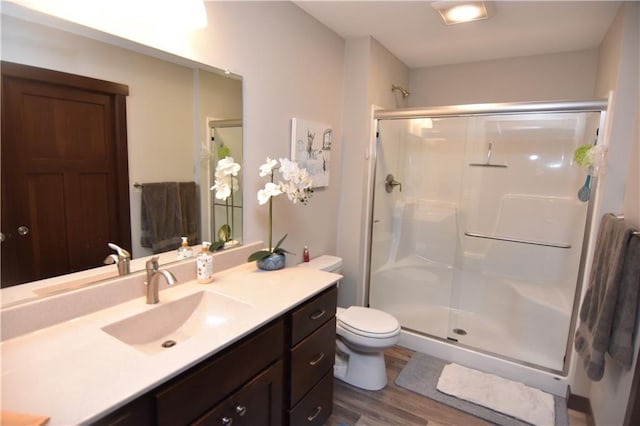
x=225, y=184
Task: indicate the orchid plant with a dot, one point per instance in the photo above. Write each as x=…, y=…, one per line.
x=295, y=182
x=225, y=184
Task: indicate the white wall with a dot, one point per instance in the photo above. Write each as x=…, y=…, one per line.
x=560, y=76
x=292, y=67
x=369, y=71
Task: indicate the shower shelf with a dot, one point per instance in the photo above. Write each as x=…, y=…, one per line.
x=517, y=240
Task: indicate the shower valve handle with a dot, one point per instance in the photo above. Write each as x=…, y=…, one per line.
x=390, y=183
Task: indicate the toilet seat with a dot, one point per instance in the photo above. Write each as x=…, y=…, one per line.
x=368, y=322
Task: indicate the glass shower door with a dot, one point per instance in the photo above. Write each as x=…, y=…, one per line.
x=521, y=231
x=414, y=236
x=477, y=229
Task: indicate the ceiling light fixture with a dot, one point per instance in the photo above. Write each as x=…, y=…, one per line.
x=456, y=12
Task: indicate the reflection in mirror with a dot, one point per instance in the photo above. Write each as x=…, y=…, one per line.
x=170, y=105
x=226, y=180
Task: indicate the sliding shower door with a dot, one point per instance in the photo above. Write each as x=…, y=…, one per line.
x=415, y=223
x=481, y=243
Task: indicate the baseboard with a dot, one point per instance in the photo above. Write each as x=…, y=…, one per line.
x=583, y=405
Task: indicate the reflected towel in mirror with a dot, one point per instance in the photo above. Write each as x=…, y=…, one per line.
x=168, y=212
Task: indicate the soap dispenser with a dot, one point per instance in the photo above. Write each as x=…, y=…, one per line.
x=204, y=264
x=184, y=252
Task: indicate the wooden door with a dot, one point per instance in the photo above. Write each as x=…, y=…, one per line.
x=64, y=172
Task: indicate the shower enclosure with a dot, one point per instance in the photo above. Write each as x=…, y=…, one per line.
x=477, y=230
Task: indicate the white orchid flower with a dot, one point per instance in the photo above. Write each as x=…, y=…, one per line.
x=225, y=182
x=270, y=190
x=228, y=167
x=289, y=169
x=267, y=168
x=223, y=191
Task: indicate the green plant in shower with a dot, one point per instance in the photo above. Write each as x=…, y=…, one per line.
x=581, y=155
x=591, y=157
x=225, y=184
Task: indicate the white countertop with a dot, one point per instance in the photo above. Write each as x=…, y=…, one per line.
x=74, y=372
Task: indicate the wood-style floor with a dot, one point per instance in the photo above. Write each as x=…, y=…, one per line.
x=398, y=406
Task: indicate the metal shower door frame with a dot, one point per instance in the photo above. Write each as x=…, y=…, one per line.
x=471, y=110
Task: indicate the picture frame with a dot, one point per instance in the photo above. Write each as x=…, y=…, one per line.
x=311, y=148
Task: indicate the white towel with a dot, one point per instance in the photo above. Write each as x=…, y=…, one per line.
x=505, y=396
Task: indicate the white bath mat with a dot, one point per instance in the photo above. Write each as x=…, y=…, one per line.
x=505, y=396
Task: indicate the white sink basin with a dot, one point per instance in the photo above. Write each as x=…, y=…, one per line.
x=169, y=324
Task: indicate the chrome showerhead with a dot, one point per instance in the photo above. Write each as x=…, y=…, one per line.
x=402, y=90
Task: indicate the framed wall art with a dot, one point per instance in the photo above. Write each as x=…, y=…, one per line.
x=311, y=148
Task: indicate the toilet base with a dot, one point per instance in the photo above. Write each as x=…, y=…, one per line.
x=362, y=370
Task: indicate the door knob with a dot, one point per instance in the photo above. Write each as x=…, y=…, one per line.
x=1, y=237
x=23, y=230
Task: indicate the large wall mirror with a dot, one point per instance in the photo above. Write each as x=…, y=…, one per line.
x=181, y=116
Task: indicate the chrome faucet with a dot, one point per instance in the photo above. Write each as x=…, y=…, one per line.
x=153, y=274
x=121, y=258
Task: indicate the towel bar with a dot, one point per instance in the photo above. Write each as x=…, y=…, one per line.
x=517, y=240
x=621, y=216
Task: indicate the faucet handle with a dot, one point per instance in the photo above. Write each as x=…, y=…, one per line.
x=152, y=264
x=122, y=253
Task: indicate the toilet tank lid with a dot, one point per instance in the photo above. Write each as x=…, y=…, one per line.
x=324, y=263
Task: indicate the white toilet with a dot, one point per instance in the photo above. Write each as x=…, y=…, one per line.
x=362, y=336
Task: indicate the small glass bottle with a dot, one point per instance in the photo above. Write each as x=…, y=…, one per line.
x=204, y=264
x=184, y=252
x=305, y=254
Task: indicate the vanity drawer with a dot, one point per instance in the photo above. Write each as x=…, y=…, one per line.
x=311, y=359
x=204, y=386
x=316, y=407
x=313, y=314
x=258, y=403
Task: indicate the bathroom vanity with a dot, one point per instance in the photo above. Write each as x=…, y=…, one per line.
x=265, y=359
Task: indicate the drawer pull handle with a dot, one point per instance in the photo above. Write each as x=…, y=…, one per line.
x=241, y=410
x=318, y=314
x=227, y=421
x=312, y=418
x=317, y=360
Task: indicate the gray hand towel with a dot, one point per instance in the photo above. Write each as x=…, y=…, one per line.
x=189, y=208
x=161, y=216
x=624, y=321
x=602, y=300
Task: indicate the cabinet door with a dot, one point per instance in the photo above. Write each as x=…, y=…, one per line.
x=311, y=359
x=258, y=403
x=315, y=408
x=209, y=383
x=313, y=314
x=136, y=413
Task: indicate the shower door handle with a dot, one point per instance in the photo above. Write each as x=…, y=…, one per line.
x=390, y=183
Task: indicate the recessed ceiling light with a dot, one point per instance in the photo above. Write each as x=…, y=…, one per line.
x=455, y=12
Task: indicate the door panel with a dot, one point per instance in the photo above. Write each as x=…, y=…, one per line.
x=62, y=149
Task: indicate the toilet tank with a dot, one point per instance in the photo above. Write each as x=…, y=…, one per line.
x=325, y=263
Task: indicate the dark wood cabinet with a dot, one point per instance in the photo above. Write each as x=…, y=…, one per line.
x=138, y=412
x=281, y=374
x=311, y=356
x=197, y=391
x=258, y=403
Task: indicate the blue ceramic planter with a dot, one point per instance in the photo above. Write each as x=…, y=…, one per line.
x=271, y=263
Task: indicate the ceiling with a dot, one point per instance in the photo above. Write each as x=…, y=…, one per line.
x=414, y=33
